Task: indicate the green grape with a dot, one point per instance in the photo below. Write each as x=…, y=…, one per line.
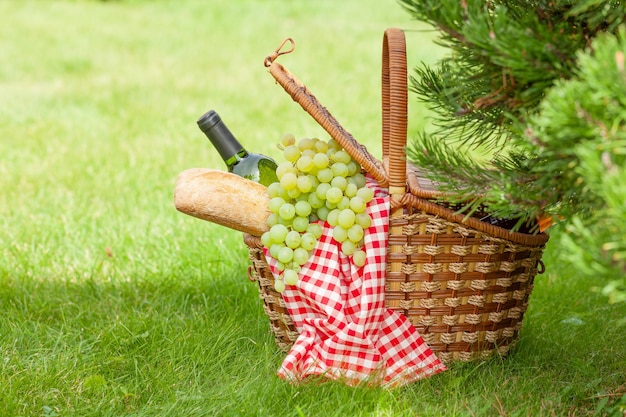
x=285, y=254
x=314, y=181
x=358, y=179
x=276, y=203
x=325, y=175
x=303, y=208
x=364, y=220
x=301, y=256
x=333, y=217
x=315, y=201
x=357, y=204
x=350, y=190
x=291, y=153
x=322, y=213
x=304, y=183
x=321, y=146
x=272, y=219
x=292, y=240
x=315, y=229
x=359, y=258
x=282, y=192
x=279, y=285
x=339, y=182
x=291, y=277
x=366, y=193
x=348, y=247
x=305, y=163
x=289, y=181
x=320, y=160
x=346, y=218
x=306, y=143
x=308, y=241
x=334, y=195
x=275, y=248
x=288, y=139
x=280, y=266
x=294, y=193
x=266, y=239
x=300, y=223
x=344, y=203
x=287, y=211
x=339, y=169
x=339, y=234
x=278, y=232
x=274, y=189
x=330, y=205
x=283, y=168
x=353, y=167
x=333, y=144
x=355, y=233
x=321, y=190
x=341, y=156
x=308, y=152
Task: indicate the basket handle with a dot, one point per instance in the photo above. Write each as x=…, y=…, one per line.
x=395, y=108
x=301, y=94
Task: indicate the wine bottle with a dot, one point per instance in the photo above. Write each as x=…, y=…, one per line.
x=239, y=161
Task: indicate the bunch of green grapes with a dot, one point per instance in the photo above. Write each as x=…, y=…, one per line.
x=317, y=181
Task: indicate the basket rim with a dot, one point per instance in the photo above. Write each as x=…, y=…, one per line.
x=490, y=230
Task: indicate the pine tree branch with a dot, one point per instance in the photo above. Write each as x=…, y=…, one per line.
x=492, y=93
x=506, y=47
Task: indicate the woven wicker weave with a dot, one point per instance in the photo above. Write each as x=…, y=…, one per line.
x=463, y=283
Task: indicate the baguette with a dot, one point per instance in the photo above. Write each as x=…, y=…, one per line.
x=223, y=198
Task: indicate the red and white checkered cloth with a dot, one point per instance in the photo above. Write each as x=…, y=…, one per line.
x=345, y=331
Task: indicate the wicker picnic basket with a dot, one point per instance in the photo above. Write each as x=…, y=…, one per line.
x=463, y=283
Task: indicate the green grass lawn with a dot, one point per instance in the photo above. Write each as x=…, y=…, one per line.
x=113, y=303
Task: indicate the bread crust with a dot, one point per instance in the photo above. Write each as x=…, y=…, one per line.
x=223, y=198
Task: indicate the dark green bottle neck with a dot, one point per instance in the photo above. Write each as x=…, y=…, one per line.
x=222, y=139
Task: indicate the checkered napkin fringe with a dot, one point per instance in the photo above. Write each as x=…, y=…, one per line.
x=345, y=331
